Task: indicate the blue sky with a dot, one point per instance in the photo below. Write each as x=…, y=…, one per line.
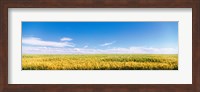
x=99, y=37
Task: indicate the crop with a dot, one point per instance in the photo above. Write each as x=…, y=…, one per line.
x=100, y=62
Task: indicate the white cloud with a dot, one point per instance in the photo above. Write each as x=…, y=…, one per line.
x=65, y=39
x=39, y=42
x=154, y=50
x=106, y=44
x=131, y=50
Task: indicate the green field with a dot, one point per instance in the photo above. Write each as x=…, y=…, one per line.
x=100, y=62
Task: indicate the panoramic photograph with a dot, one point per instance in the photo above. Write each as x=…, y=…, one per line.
x=99, y=45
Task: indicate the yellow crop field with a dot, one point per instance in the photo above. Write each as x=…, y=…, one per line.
x=100, y=62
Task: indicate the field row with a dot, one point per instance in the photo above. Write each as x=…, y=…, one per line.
x=100, y=62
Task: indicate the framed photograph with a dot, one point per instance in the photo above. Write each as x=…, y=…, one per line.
x=106, y=46
x=100, y=45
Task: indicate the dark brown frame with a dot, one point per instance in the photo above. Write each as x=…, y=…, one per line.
x=194, y=4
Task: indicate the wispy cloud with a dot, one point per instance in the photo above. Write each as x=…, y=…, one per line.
x=65, y=39
x=39, y=42
x=131, y=50
x=108, y=43
x=85, y=46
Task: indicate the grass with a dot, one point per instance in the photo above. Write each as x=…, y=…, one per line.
x=100, y=62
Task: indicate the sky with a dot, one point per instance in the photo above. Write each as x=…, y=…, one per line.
x=99, y=37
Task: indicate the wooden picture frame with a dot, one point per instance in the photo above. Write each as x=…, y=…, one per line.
x=5, y=4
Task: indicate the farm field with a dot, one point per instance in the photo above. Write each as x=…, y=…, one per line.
x=100, y=62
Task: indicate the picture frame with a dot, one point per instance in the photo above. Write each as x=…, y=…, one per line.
x=5, y=87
